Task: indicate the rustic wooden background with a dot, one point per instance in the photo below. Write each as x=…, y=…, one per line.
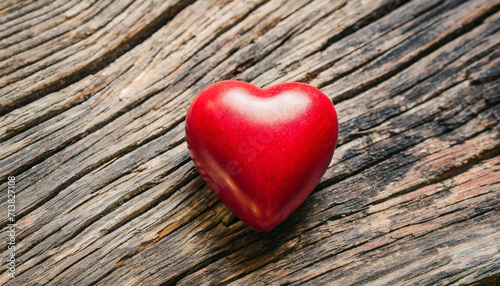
x=93, y=96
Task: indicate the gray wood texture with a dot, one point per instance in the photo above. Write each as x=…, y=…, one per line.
x=93, y=97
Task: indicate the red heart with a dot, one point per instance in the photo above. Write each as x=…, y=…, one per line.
x=262, y=151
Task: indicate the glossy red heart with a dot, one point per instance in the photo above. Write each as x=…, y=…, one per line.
x=262, y=151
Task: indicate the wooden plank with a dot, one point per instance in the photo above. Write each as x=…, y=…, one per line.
x=94, y=95
x=82, y=41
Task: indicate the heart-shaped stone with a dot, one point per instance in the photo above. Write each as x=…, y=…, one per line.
x=262, y=151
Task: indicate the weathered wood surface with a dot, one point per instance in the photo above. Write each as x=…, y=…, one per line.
x=93, y=96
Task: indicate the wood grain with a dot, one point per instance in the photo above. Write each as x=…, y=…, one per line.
x=93, y=96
